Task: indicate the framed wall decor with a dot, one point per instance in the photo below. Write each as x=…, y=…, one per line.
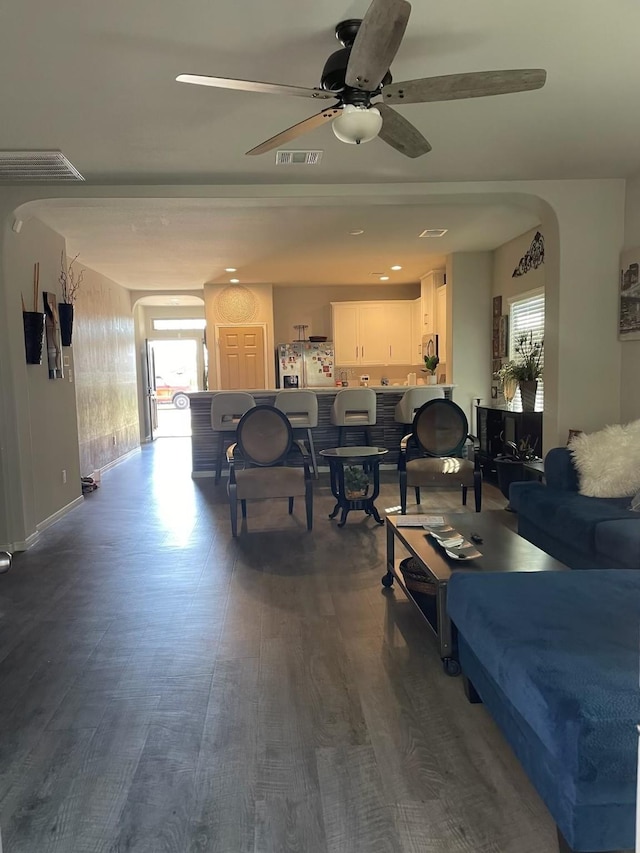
x=503, y=336
x=629, y=298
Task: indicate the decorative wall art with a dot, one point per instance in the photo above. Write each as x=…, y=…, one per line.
x=533, y=258
x=54, y=344
x=629, y=307
x=503, y=336
x=497, y=306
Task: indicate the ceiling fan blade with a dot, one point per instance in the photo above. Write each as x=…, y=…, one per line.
x=254, y=86
x=377, y=43
x=296, y=130
x=401, y=134
x=477, y=84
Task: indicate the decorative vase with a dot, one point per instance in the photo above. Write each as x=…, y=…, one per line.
x=33, y=336
x=432, y=379
x=528, y=392
x=65, y=312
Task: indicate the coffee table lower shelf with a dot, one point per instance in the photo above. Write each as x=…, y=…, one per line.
x=433, y=610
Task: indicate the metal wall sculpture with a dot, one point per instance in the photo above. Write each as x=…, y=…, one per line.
x=533, y=258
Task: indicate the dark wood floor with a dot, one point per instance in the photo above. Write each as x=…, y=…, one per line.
x=165, y=688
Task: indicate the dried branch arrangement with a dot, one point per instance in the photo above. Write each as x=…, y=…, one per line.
x=70, y=280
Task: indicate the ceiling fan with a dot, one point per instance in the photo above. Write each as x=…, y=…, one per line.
x=357, y=77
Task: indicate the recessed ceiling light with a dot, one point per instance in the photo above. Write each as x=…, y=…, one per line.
x=356, y=232
x=234, y=280
x=384, y=278
x=433, y=232
x=396, y=267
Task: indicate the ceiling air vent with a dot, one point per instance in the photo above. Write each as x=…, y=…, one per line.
x=433, y=232
x=299, y=158
x=36, y=167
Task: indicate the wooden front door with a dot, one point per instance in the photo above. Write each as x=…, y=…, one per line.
x=241, y=357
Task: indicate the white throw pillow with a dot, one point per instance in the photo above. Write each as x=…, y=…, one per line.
x=608, y=461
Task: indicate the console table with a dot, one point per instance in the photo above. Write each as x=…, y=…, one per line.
x=497, y=425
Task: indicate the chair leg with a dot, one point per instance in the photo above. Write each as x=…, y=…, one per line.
x=403, y=492
x=308, y=502
x=233, y=507
x=219, y=461
x=417, y=488
x=290, y=505
x=312, y=448
x=464, y=496
x=477, y=489
x=243, y=504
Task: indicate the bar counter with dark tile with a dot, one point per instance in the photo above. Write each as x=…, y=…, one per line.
x=386, y=433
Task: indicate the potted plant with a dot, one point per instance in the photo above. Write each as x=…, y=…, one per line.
x=70, y=281
x=508, y=382
x=356, y=482
x=527, y=369
x=430, y=364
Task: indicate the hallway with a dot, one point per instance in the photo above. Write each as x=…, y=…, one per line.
x=165, y=688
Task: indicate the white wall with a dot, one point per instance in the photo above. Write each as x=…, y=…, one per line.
x=630, y=350
x=46, y=406
x=469, y=281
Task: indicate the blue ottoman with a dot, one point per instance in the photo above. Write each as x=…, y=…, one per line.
x=554, y=656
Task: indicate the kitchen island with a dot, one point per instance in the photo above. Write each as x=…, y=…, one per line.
x=386, y=433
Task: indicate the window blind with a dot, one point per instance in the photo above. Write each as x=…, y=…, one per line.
x=527, y=315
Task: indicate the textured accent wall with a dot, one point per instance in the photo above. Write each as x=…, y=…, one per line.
x=105, y=372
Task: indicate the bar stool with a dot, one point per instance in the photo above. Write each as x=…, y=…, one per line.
x=412, y=400
x=301, y=409
x=227, y=407
x=354, y=407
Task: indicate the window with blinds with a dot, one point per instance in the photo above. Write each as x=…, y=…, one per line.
x=527, y=315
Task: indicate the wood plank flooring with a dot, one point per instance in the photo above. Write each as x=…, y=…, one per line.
x=165, y=689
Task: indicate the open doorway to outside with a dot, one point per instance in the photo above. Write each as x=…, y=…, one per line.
x=176, y=375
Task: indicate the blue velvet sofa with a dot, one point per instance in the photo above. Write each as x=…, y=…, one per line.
x=580, y=531
x=554, y=658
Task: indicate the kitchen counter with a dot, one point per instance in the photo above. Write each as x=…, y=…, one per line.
x=386, y=433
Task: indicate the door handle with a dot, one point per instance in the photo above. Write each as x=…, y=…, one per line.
x=389, y=351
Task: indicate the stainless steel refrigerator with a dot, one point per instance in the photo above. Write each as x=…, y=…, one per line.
x=303, y=364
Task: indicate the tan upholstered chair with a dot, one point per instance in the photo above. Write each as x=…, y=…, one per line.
x=264, y=444
x=227, y=407
x=412, y=400
x=431, y=455
x=354, y=407
x=301, y=409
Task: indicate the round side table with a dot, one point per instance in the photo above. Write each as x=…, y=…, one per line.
x=367, y=459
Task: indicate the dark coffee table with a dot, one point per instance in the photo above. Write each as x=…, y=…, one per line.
x=501, y=549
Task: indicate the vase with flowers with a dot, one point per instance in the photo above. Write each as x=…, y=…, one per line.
x=526, y=369
x=70, y=280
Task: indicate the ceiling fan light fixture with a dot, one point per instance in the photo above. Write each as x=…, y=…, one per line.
x=356, y=125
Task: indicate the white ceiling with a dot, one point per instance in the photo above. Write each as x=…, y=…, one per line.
x=97, y=81
x=178, y=244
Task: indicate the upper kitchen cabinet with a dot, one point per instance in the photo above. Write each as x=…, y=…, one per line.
x=368, y=333
x=429, y=285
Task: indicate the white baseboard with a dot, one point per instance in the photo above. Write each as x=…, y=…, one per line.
x=120, y=459
x=58, y=515
x=20, y=544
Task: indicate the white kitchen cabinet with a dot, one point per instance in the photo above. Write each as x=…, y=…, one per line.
x=373, y=333
x=399, y=328
x=429, y=285
x=373, y=329
x=346, y=340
